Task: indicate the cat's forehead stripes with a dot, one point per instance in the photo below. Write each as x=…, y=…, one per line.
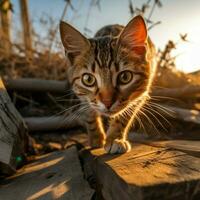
x=103, y=52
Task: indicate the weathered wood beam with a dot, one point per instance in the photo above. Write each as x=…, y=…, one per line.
x=182, y=92
x=13, y=134
x=36, y=85
x=189, y=146
x=186, y=115
x=51, y=123
x=146, y=172
x=54, y=176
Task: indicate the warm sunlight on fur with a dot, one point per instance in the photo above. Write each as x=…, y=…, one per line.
x=112, y=76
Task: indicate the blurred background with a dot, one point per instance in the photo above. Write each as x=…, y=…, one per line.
x=171, y=18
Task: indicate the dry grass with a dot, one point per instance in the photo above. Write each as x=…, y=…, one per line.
x=44, y=65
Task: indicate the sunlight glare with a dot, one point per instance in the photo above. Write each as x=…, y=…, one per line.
x=188, y=53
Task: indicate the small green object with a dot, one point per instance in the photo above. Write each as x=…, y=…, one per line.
x=18, y=159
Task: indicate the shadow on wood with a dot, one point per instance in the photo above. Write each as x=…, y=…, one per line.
x=52, y=176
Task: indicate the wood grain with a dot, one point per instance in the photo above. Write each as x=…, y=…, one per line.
x=13, y=133
x=53, y=176
x=145, y=173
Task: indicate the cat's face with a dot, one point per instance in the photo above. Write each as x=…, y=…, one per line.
x=107, y=72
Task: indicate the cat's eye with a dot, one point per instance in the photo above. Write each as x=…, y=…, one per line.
x=125, y=77
x=88, y=79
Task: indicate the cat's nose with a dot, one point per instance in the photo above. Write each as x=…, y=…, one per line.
x=107, y=103
x=106, y=97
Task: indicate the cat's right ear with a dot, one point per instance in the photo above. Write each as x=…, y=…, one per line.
x=134, y=36
x=73, y=41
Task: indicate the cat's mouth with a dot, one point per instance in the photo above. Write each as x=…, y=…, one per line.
x=107, y=113
x=115, y=108
x=110, y=112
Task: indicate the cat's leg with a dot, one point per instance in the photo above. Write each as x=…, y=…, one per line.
x=116, y=141
x=96, y=133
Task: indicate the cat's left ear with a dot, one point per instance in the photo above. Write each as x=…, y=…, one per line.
x=73, y=41
x=134, y=35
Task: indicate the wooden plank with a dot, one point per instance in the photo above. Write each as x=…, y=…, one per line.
x=53, y=176
x=36, y=85
x=51, y=123
x=189, y=146
x=13, y=134
x=182, y=92
x=184, y=114
x=144, y=173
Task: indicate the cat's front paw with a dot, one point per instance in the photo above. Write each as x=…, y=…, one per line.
x=117, y=146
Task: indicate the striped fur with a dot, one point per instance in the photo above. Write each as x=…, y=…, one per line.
x=98, y=70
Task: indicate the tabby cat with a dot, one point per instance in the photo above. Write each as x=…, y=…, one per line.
x=112, y=75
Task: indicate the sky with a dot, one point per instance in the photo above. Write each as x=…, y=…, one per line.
x=177, y=16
